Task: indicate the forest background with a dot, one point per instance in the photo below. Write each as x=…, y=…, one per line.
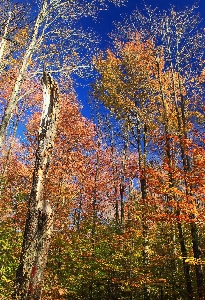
x=124, y=184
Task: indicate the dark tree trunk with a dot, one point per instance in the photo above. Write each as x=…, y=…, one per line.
x=39, y=222
x=186, y=266
x=187, y=273
x=197, y=256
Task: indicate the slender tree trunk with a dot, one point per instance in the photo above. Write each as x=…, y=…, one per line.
x=185, y=265
x=194, y=229
x=11, y=146
x=172, y=184
x=198, y=266
x=17, y=87
x=38, y=230
x=141, y=141
x=4, y=41
x=114, y=172
x=181, y=119
x=182, y=134
x=122, y=190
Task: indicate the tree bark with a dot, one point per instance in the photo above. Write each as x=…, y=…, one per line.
x=39, y=223
x=4, y=41
x=17, y=87
x=187, y=270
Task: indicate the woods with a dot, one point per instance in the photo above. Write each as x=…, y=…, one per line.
x=110, y=207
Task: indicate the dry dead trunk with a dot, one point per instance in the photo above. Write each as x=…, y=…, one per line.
x=38, y=230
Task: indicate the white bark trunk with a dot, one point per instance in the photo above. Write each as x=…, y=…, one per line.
x=3, y=40
x=38, y=230
x=17, y=87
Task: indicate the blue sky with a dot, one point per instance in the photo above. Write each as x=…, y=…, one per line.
x=104, y=25
x=106, y=18
x=114, y=13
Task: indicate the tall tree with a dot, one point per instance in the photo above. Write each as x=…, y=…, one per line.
x=39, y=223
x=164, y=72
x=43, y=43
x=125, y=86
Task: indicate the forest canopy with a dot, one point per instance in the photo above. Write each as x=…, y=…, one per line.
x=112, y=206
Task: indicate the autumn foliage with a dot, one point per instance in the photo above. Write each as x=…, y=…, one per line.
x=127, y=191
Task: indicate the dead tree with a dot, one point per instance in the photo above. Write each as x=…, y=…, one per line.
x=39, y=222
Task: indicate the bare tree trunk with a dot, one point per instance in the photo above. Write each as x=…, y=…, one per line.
x=187, y=270
x=38, y=230
x=142, y=153
x=4, y=41
x=194, y=228
x=17, y=87
x=182, y=129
